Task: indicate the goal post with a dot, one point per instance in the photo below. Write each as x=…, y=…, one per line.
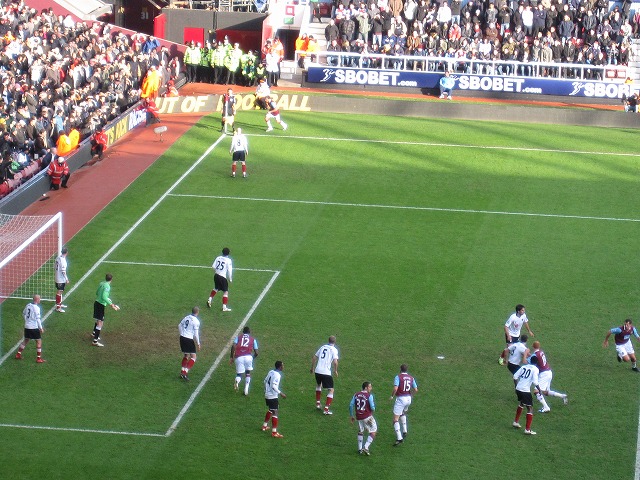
x=28, y=248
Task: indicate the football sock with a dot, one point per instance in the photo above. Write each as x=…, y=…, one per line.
x=369, y=442
x=39, y=352
x=233, y=168
x=634, y=365
x=518, y=413
x=529, y=420
x=244, y=169
x=212, y=294
x=284, y=125
x=225, y=300
x=329, y=400
x=541, y=399
x=269, y=125
x=318, y=395
x=58, y=299
x=274, y=423
x=360, y=439
x=396, y=427
x=21, y=348
x=185, y=360
x=190, y=364
x=555, y=394
x=403, y=423
x=267, y=417
x=96, y=333
x=247, y=381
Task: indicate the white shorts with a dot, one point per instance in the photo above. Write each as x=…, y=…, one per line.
x=244, y=364
x=369, y=424
x=401, y=405
x=270, y=116
x=625, y=349
x=544, y=380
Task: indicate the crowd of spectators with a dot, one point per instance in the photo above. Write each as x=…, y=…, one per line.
x=61, y=80
x=548, y=31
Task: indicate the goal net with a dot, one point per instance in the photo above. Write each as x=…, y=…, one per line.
x=28, y=248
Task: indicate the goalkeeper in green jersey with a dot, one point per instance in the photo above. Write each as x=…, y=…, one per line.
x=102, y=300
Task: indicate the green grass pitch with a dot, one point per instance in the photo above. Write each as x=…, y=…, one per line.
x=408, y=239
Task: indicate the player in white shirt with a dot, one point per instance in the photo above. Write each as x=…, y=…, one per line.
x=323, y=361
x=514, y=324
x=524, y=378
x=516, y=354
x=222, y=277
x=271, y=393
x=512, y=328
x=32, y=329
x=189, y=328
x=239, y=152
x=61, y=278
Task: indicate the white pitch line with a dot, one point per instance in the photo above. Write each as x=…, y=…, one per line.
x=402, y=207
x=177, y=265
x=126, y=234
x=637, y=472
x=218, y=360
x=82, y=430
x=451, y=145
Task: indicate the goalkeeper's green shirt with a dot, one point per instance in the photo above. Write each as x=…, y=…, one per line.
x=102, y=295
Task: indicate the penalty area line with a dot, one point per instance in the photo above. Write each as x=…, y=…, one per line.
x=221, y=356
x=82, y=430
x=408, y=207
x=177, y=265
x=452, y=145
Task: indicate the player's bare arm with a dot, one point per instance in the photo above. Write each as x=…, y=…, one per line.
x=529, y=329
x=313, y=363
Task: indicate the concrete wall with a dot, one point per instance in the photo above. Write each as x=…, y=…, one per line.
x=178, y=19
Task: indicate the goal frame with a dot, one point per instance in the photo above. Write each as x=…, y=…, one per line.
x=55, y=219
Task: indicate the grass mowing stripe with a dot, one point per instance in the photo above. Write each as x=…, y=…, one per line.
x=452, y=145
x=402, y=207
x=222, y=354
x=124, y=236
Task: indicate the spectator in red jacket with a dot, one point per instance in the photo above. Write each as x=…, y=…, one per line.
x=98, y=143
x=58, y=172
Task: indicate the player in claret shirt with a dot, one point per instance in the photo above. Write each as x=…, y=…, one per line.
x=404, y=386
x=361, y=408
x=624, y=348
x=545, y=378
x=243, y=350
x=273, y=112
